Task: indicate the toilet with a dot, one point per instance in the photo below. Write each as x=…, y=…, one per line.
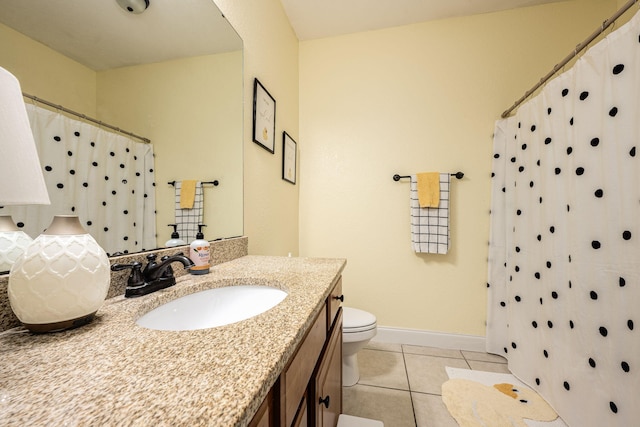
x=358, y=327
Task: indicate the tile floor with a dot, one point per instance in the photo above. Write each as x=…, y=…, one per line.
x=401, y=384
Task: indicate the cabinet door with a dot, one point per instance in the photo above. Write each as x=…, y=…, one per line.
x=302, y=418
x=264, y=415
x=297, y=375
x=334, y=302
x=329, y=380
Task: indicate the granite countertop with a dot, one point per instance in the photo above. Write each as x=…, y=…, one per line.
x=113, y=372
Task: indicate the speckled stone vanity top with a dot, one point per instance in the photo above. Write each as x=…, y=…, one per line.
x=113, y=372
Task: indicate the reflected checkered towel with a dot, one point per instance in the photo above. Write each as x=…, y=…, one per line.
x=188, y=219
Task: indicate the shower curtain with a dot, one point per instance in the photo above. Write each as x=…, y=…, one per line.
x=107, y=179
x=564, y=257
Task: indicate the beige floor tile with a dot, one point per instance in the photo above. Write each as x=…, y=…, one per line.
x=483, y=357
x=392, y=407
x=374, y=345
x=431, y=411
x=489, y=366
x=427, y=373
x=432, y=351
x=383, y=369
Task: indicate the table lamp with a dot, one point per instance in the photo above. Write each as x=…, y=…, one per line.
x=62, y=278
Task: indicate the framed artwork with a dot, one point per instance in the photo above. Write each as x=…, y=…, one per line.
x=264, y=117
x=289, y=148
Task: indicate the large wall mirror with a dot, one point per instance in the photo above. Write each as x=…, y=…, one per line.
x=172, y=74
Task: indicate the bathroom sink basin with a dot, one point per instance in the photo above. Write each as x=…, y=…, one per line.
x=212, y=308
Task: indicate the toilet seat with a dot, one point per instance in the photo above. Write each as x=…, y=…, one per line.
x=355, y=320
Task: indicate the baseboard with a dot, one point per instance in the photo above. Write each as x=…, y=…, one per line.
x=430, y=339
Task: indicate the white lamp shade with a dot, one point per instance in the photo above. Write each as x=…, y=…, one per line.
x=61, y=280
x=20, y=169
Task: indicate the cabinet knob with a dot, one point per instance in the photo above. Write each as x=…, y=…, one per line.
x=341, y=298
x=324, y=401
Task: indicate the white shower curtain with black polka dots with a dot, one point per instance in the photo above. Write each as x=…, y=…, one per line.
x=564, y=262
x=107, y=179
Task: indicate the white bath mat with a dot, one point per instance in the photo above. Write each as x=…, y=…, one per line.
x=473, y=399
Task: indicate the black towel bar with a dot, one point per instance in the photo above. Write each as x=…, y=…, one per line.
x=215, y=183
x=397, y=177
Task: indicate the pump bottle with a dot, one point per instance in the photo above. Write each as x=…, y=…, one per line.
x=175, y=238
x=199, y=253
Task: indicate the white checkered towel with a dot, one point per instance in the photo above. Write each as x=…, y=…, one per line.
x=188, y=219
x=430, y=226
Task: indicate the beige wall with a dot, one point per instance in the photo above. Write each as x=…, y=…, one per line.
x=47, y=74
x=410, y=99
x=271, y=55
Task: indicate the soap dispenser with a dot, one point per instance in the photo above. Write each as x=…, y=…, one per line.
x=175, y=238
x=199, y=253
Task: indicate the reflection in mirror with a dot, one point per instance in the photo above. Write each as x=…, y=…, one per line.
x=172, y=74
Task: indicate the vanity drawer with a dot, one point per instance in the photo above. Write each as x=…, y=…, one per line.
x=334, y=301
x=298, y=373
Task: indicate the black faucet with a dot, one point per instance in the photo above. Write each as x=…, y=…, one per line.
x=155, y=276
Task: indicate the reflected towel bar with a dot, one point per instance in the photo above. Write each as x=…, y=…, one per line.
x=397, y=177
x=215, y=183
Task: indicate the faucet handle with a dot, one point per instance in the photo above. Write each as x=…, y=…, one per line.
x=135, y=278
x=151, y=263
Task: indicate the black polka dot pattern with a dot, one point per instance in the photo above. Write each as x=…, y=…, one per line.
x=564, y=257
x=82, y=164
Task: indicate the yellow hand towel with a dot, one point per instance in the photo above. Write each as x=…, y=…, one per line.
x=187, y=194
x=428, y=189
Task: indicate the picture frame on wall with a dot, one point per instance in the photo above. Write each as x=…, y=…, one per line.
x=264, y=117
x=289, y=152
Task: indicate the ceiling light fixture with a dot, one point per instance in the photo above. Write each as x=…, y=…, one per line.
x=134, y=6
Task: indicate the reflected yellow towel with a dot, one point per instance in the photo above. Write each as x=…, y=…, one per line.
x=428, y=189
x=187, y=194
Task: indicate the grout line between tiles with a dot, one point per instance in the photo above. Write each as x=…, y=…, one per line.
x=381, y=349
x=406, y=372
x=427, y=393
x=466, y=361
x=379, y=386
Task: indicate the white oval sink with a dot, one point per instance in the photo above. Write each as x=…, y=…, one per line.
x=213, y=307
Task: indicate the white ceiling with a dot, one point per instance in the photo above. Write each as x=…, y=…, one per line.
x=101, y=35
x=312, y=19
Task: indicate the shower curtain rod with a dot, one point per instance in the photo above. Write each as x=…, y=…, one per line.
x=82, y=116
x=579, y=48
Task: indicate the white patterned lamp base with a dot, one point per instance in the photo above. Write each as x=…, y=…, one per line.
x=61, y=280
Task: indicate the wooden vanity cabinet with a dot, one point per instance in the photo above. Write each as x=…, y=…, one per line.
x=328, y=380
x=266, y=416
x=313, y=373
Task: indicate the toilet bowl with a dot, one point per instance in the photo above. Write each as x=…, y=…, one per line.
x=358, y=327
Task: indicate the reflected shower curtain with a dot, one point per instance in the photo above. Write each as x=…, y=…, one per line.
x=107, y=179
x=564, y=258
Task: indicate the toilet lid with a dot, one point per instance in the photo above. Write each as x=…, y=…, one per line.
x=355, y=320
